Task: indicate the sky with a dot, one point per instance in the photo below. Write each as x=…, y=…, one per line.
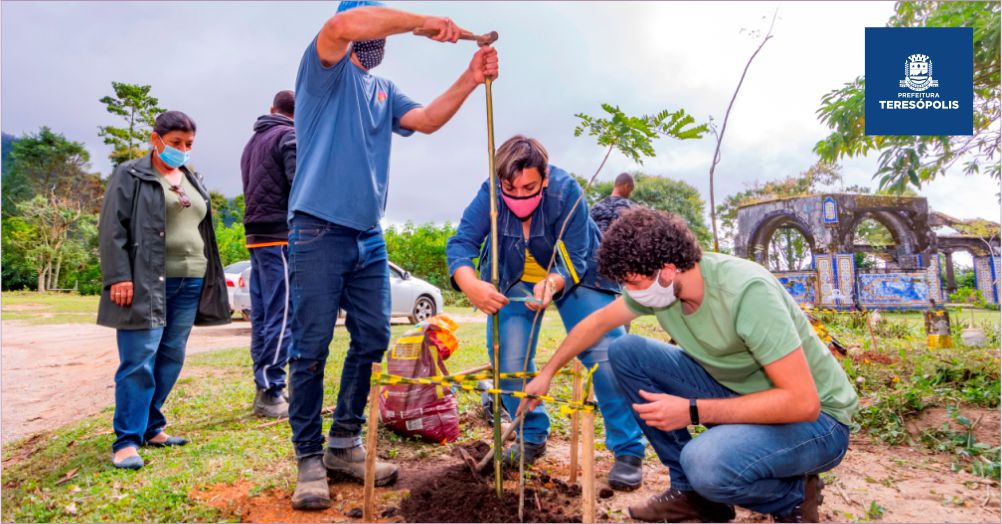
x=222, y=62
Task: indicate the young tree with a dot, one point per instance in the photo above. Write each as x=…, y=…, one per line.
x=912, y=159
x=133, y=103
x=723, y=129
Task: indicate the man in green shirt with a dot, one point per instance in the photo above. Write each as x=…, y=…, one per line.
x=750, y=368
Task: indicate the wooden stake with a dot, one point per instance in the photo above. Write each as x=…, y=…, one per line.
x=575, y=421
x=372, y=432
x=588, y=466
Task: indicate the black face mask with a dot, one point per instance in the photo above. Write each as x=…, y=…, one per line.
x=370, y=52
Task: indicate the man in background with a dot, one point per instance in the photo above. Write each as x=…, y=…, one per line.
x=608, y=209
x=267, y=167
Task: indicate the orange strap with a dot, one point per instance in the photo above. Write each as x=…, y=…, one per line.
x=267, y=244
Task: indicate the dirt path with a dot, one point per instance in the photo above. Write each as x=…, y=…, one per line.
x=58, y=373
x=54, y=374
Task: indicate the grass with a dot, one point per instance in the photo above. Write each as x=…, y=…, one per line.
x=211, y=405
x=49, y=308
x=901, y=377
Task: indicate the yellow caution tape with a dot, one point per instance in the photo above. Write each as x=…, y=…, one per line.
x=568, y=406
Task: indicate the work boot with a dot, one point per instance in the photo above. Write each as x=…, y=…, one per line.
x=510, y=456
x=271, y=404
x=677, y=506
x=627, y=474
x=311, y=492
x=487, y=403
x=806, y=511
x=350, y=462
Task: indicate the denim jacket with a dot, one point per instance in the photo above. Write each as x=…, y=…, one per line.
x=576, y=253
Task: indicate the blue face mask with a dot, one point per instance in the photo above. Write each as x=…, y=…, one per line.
x=174, y=158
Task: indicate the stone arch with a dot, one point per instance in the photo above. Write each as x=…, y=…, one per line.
x=758, y=241
x=899, y=226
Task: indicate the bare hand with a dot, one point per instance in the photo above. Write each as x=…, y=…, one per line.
x=544, y=290
x=484, y=64
x=663, y=411
x=441, y=29
x=485, y=297
x=121, y=293
x=537, y=386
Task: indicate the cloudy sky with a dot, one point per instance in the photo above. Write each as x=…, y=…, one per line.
x=221, y=62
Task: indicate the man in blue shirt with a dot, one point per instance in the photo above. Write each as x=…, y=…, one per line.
x=345, y=118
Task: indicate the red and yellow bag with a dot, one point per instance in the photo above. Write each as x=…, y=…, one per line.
x=427, y=411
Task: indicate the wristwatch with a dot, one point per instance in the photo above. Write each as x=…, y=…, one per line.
x=693, y=412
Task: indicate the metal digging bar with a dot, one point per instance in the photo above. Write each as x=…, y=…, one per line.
x=495, y=281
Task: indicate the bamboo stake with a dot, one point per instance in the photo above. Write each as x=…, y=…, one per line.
x=369, y=492
x=495, y=280
x=575, y=421
x=588, y=466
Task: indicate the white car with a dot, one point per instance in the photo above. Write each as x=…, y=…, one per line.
x=410, y=296
x=232, y=273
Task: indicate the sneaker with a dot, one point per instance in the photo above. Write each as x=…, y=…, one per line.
x=350, y=462
x=627, y=474
x=677, y=506
x=510, y=456
x=806, y=511
x=311, y=492
x=271, y=404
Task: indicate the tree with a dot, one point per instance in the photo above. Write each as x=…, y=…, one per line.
x=914, y=160
x=134, y=104
x=421, y=250
x=18, y=269
x=47, y=164
x=52, y=220
x=663, y=194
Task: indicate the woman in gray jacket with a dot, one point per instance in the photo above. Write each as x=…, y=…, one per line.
x=162, y=273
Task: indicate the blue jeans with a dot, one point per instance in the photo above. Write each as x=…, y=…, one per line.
x=333, y=267
x=150, y=361
x=758, y=466
x=271, y=335
x=622, y=434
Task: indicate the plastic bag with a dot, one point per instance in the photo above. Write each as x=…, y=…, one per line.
x=427, y=411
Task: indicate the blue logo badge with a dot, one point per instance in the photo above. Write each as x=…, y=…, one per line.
x=919, y=81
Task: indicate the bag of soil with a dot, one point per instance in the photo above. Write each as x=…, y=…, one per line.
x=425, y=410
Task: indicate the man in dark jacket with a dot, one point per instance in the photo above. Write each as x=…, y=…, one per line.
x=267, y=167
x=608, y=209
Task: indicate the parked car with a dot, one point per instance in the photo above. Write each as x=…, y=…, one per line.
x=232, y=272
x=410, y=296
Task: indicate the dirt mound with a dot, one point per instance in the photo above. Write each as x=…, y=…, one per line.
x=874, y=356
x=453, y=495
x=985, y=423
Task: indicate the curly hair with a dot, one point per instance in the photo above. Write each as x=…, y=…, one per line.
x=642, y=240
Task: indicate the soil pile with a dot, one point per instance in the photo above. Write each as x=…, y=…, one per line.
x=453, y=494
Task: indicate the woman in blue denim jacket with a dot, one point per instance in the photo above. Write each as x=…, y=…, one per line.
x=535, y=200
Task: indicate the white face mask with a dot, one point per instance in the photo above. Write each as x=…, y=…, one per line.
x=655, y=296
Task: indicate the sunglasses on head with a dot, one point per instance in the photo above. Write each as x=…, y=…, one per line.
x=182, y=197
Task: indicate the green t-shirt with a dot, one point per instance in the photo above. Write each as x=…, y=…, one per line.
x=185, y=248
x=746, y=321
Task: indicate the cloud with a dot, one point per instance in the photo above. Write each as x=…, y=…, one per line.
x=221, y=62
